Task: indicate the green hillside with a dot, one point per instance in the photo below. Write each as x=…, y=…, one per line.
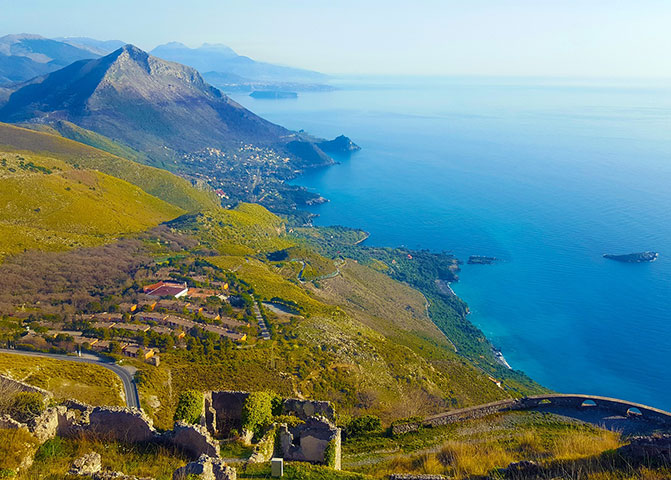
x=159, y=183
x=47, y=204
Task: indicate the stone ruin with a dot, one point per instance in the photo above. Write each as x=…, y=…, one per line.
x=306, y=442
x=309, y=442
x=223, y=410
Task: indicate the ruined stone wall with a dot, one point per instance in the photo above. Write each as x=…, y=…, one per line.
x=305, y=409
x=223, y=410
x=120, y=424
x=616, y=406
x=472, y=412
x=308, y=442
x=8, y=383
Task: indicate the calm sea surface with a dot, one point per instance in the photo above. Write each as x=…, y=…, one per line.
x=546, y=175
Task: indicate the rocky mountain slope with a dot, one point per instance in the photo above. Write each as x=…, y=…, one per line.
x=149, y=104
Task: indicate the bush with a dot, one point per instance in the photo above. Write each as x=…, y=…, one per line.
x=277, y=404
x=330, y=454
x=364, y=424
x=257, y=411
x=27, y=405
x=290, y=420
x=189, y=406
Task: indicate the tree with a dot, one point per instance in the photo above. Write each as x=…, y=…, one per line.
x=257, y=411
x=189, y=406
x=364, y=424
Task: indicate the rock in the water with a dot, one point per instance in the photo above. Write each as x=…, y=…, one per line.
x=641, y=257
x=481, y=260
x=87, y=465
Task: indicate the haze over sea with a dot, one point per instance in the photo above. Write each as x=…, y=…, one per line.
x=545, y=174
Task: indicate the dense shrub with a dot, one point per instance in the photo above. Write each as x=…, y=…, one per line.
x=362, y=425
x=189, y=406
x=330, y=454
x=257, y=411
x=27, y=405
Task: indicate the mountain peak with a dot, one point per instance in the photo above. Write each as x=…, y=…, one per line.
x=134, y=51
x=152, y=105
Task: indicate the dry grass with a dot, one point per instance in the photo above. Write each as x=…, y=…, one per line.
x=15, y=447
x=90, y=384
x=54, y=458
x=573, y=452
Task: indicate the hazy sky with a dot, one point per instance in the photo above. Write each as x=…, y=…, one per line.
x=488, y=37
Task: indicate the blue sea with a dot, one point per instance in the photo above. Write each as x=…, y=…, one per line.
x=546, y=175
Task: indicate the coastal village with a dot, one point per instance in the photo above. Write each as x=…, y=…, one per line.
x=159, y=316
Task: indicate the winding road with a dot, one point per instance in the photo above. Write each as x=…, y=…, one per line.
x=126, y=375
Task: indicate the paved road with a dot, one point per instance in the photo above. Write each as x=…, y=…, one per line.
x=126, y=376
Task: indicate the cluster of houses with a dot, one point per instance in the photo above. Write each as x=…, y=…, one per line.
x=163, y=309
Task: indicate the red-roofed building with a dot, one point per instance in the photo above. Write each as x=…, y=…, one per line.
x=165, y=289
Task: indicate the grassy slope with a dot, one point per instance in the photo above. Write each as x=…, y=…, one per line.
x=91, y=384
x=45, y=203
x=156, y=182
x=479, y=447
x=365, y=341
x=55, y=457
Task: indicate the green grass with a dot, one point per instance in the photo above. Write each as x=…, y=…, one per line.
x=300, y=471
x=57, y=207
x=159, y=183
x=246, y=229
x=15, y=446
x=54, y=458
x=87, y=383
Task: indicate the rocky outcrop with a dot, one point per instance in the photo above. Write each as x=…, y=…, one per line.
x=87, y=465
x=654, y=448
x=522, y=469
x=311, y=442
x=641, y=257
x=107, y=475
x=341, y=144
x=193, y=440
x=206, y=468
x=45, y=426
x=265, y=449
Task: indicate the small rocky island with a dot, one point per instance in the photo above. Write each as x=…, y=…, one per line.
x=481, y=260
x=640, y=257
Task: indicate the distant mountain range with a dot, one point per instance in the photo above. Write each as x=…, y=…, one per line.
x=222, y=59
x=103, y=47
x=26, y=56
x=162, y=113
